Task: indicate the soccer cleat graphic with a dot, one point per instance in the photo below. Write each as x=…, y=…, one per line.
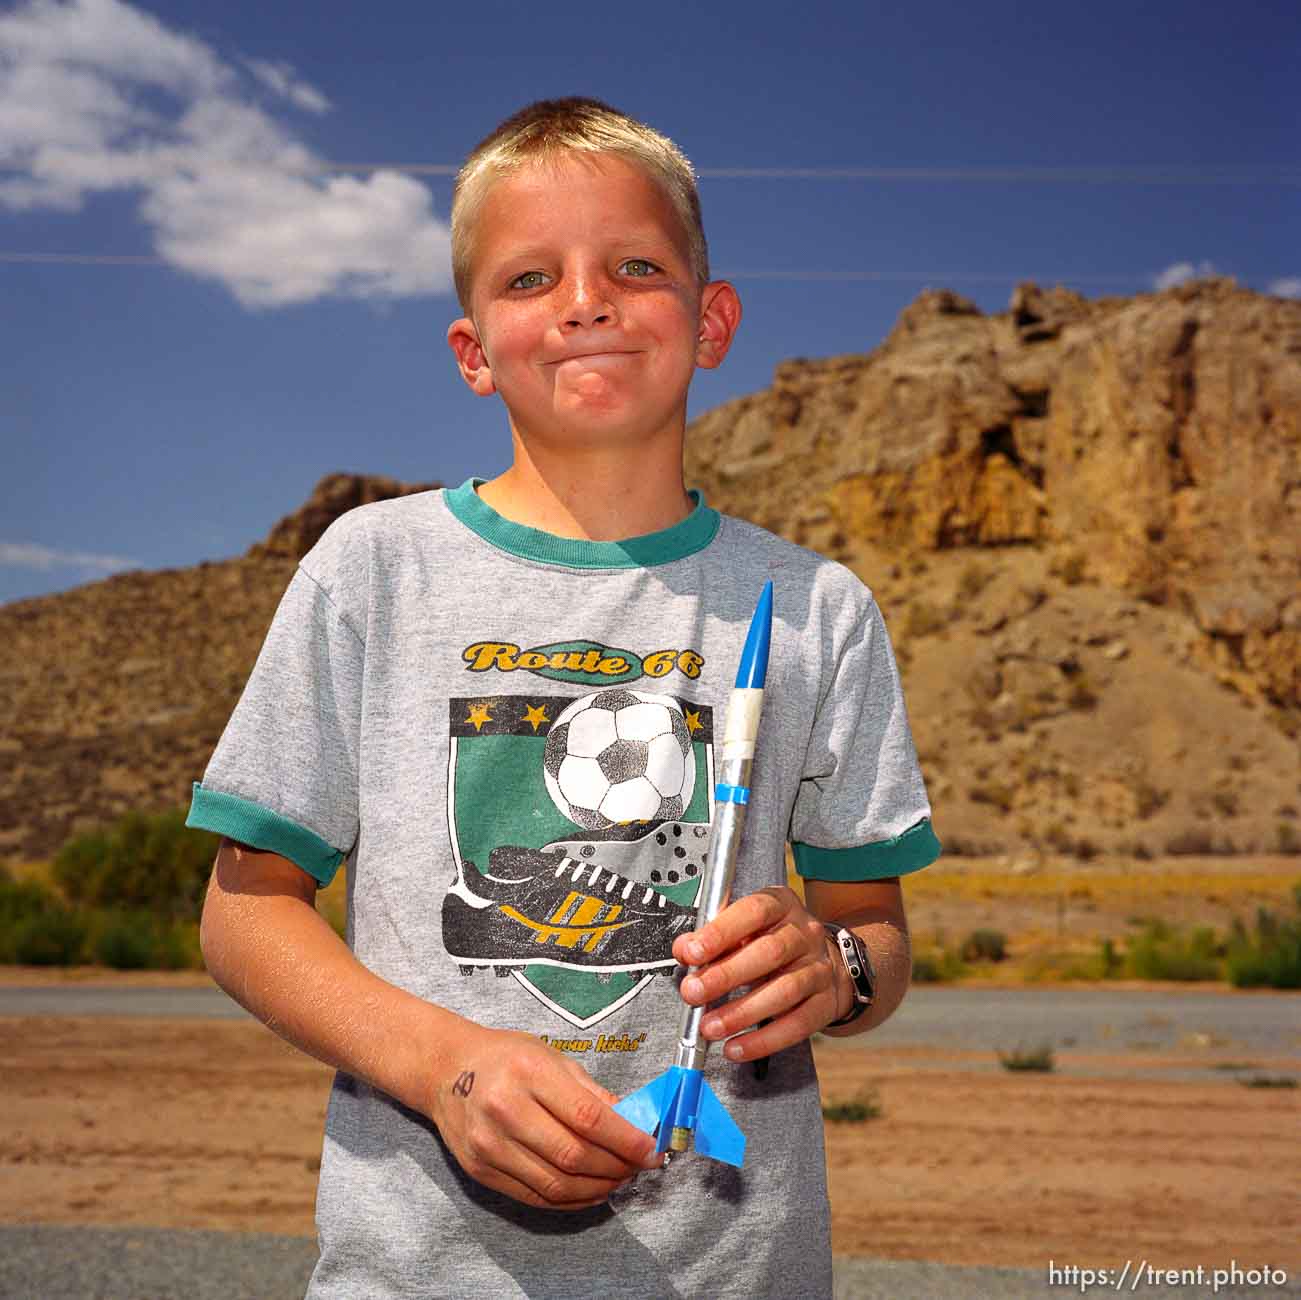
x=544, y=908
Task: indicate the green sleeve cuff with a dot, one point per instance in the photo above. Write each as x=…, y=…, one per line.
x=917, y=847
x=250, y=823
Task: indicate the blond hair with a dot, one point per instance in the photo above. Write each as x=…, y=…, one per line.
x=546, y=131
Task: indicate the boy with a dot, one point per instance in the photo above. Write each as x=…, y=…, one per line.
x=499, y=703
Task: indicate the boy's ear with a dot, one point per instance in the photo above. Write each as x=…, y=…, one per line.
x=471, y=360
x=720, y=315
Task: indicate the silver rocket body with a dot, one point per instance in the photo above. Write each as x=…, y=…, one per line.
x=715, y=890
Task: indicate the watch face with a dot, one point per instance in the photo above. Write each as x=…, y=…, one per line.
x=859, y=966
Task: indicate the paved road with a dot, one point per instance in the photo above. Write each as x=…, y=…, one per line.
x=1095, y=1020
x=47, y=1263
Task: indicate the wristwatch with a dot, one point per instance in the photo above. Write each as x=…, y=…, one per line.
x=853, y=952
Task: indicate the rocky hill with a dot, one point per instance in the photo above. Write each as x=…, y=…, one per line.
x=1083, y=522
x=1081, y=517
x=113, y=695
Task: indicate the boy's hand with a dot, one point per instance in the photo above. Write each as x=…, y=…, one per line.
x=525, y=1120
x=772, y=943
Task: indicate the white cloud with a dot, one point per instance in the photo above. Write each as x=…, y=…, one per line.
x=1181, y=273
x=28, y=555
x=1288, y=287
x=282, y=79
x=96, y=95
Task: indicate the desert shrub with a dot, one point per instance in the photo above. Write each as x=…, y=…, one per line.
x=995, y=793
x=79, y=864
x=984, y=945
x=1082, y=694
x=131, y=939
x=53, y=938
x=1038, y=1059
x=1194, y=841
x=1057, y=836
x=153, y=862
x=1085, y=849
x=1289, y=841
x=1161, y=952
x=1112, y=961
x=1226, y=802
x=1268, y=958
x=867, y=1105
x=31, y=920
x=1269, y=1081
x=1056, y=965
x=20, y=899
x=126, y=941
x=937, y=966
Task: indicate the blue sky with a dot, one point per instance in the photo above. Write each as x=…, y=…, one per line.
x=256, y=319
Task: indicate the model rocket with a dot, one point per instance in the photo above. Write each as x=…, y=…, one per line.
x=680, y=1103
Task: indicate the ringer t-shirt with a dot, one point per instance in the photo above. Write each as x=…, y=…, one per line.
x=510, y=738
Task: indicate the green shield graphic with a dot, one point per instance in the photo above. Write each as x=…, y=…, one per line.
x=578, y=905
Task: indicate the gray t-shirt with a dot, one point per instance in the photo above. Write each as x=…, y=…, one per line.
x=509, y=737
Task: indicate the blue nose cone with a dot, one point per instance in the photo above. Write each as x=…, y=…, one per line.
x=753, y=670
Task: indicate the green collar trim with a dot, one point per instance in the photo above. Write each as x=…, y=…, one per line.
x=693, y=534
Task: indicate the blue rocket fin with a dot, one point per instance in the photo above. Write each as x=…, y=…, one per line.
x=652, y=1108
x=717, y=1135
x=643, y=1108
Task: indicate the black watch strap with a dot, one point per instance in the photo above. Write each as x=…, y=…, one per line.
x=853, y=952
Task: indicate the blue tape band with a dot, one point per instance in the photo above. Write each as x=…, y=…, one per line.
x=724, y=793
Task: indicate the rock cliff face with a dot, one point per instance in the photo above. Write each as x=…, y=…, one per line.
x=1151, y=443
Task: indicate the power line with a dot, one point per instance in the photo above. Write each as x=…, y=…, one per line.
x=1286, y=175
x=1149, y=174
x=82, y=259
x=1145, y=174
x=993, y=277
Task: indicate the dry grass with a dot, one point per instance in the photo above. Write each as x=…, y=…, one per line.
x=1246, y=882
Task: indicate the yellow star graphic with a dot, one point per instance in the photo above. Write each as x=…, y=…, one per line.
x=478, y=715
x=535, y=714
x=693, y=722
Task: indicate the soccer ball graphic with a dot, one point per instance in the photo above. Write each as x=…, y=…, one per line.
x=620, y=756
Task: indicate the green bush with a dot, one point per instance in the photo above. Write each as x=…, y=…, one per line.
x=1112, y=962
x=984, y=945
x=137, y=940
x=54, y=938
x=936, y=966
x=126, y=941
x=20, y=899
x=79, y=865
x=1039, y=1059
x=1163, y=953
x=153, y=862
x=32, y=919
x=1268, y=958
x=867, y=1105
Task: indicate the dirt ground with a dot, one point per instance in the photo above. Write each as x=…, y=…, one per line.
x=217, y=1124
